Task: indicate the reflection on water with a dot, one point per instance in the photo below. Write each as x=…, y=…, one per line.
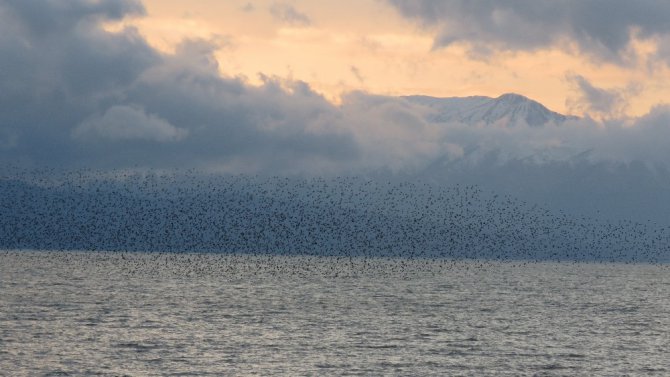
x=205, y=314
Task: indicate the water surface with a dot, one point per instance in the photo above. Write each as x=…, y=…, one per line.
x=144, y=314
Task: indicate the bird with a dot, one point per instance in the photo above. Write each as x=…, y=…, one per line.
x=180, y=216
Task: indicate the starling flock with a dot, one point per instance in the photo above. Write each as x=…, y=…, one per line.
x=343, y=217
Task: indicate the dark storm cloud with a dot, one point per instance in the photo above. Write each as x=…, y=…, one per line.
x=50, y=46
x=57, y=66
x=43, y=17
x=76, y=94
x=600, y=28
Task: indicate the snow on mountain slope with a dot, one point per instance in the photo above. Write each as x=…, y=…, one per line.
x=508, y=109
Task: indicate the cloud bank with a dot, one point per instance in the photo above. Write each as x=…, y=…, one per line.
x=603, y=30
x=75, y=94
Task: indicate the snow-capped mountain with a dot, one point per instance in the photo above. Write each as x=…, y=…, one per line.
x=508, y=109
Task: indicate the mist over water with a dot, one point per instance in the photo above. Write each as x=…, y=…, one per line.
x=101, y=313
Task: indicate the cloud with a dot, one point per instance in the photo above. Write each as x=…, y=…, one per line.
x=51, y=47
x=248, y=7
x=7, y=139
x=601, y=29
x=83, y=95
x=357, y=74
x=286, y=13
x=391, y=132
x=45, y=17
x=599, y=102
x=58, y=67
x=663, y=50
x=120, y=123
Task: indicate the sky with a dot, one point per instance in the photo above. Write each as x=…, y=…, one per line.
x=439, y=48
x=300, y=86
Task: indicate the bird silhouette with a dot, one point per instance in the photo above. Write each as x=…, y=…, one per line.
x=180, y=215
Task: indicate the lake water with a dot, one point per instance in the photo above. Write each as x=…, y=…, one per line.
x=144, y=314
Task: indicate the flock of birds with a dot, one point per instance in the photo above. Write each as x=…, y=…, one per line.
x=354, y=219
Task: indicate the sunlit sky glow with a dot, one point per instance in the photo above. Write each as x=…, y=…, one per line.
x=339, y=46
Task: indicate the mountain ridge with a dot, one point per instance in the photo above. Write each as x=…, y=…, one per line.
x=508, y=109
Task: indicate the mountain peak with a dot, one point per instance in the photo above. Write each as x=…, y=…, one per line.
x=513, y=98
x=508, y=109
